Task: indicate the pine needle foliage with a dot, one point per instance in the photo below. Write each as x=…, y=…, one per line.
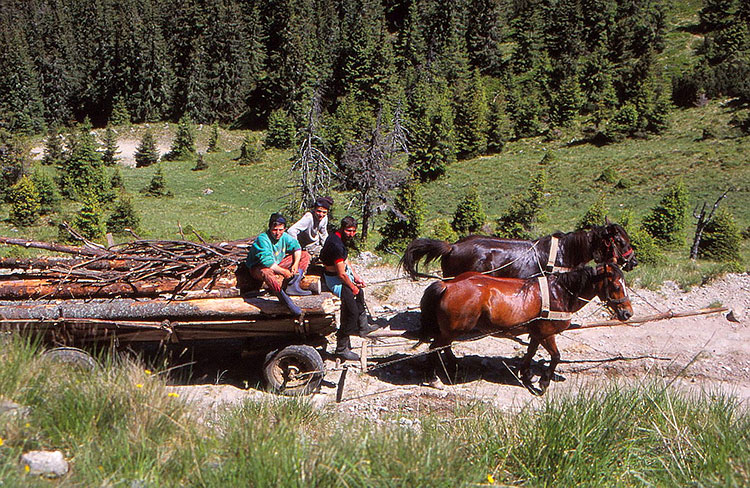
x=146, y=153
x=90, y=219
x=469, y=216
x=24, y=202
x=123, y=215
x=721, y=238
x=524, y=211
x=667, y=220
x=49, y=196
x=183, y=146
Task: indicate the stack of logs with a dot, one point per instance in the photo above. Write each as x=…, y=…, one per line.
x=147, y=290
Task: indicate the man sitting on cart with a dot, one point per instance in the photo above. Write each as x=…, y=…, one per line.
x=311, y=231
x=343, y=281
x=277, y=260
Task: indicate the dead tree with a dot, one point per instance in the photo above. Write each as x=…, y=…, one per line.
x=702, y=221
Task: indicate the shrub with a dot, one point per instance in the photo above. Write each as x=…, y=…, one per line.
x=524, y=211
x=595, y=215
x=123, y=216
x=281, y=130
x=54, y=152
x=609, y=175
x=183, y=146
x=120, y=114
x=443, y=231
x=469, y=216
x=90, y=219
x=721, y=238
x=200, y=163
x=49, y=197
x=146, y=153
x=213, y=139
x=666, y=221
x=646, y=250
x=83, y=173
x=251, y=151
x=116, y=181
x=157, y=187
x=24, y=200
x=404, y=220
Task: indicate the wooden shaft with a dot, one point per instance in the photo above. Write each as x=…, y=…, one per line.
x=649, y=318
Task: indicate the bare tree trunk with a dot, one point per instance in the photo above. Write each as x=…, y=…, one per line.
x=702, y=221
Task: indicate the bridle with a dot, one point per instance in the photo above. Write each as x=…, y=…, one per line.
x=609, y=302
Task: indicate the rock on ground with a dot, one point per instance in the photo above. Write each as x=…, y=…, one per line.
x=51, y=464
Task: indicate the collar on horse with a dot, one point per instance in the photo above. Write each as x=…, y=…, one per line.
x=546, y=313
x=550, y=267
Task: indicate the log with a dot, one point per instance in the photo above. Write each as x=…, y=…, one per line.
x=149, y=310
x=649, y=318
x=52, y=246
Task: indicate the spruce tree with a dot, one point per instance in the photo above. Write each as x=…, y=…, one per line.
x=471, y=117
x=200, y=163
x=109, y=156
x=49, y=197
x=524, y=211
x=89, y=221
x=157, y=187
x=183, y=146
x=432, y=140
x=54, y=153
x=213, y=139
x=146, y=153
x=595, y=215
x=120, y=115
x=404, y=220
x=83, y=173
x=667, y=220
x=443, y=231
x=469, y=216
x=24, y=201
x=281, y=130
x=499, y=130
x=21, y=108
x=116, y=181
x=123, y=216
x=645, y=246
x=721, y=238
x=250, y=151
x=14, y=156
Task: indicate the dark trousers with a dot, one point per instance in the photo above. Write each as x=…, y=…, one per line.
x=351, y=308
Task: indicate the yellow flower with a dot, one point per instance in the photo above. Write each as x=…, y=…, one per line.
x=148, y=371
x=1, y=441
x=490, y=479
x=27, y=425
x=27, y=468
x=139, y=385
x=173, y=394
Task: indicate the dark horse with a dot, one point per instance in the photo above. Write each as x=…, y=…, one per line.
x=477, y=304
x=514, y=258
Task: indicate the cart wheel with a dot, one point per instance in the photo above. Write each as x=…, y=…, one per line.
x=294, y=370
x=71, y=356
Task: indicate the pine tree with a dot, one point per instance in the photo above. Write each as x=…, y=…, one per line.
x=14, y=156
x=250, y=151
x=82, y=173
x=116, y=181
x=200, y=163
x=566, y=102
x=524, y=211
x=120, y=115
x=21, y=108
x=431, y=140
x=721, y=238
x=183, y=146
x=54, y=153
x=213, y=139
x=645, y=246
x=281, y=130
x=404, y=220
x=499, y=130
x=146, y=153
x=469, y=216
x=157, y=187
x=123, y=216
x=24, y=200
x=443, y=231
x=109, y=156
x=595, y=215
x=49, y=197
x=667, y=220
x=471, y=117
x=89, y=221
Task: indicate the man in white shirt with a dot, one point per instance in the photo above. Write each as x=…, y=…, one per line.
x=311, y=231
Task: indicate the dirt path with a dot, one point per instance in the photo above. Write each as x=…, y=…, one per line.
x=704, y=354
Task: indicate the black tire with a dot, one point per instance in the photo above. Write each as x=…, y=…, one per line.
x=294, y=370
x=71, y=356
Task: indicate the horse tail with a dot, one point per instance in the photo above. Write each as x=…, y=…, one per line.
x=429, y=328
x=430, y=249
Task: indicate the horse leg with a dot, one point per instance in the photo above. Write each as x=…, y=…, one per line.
x=526, y=361
x=437, y=362
x=550, y=345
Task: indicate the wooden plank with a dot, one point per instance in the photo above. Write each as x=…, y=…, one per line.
x=649, y=318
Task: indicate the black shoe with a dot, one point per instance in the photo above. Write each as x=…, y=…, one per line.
x=347, y=355
x=367, y=329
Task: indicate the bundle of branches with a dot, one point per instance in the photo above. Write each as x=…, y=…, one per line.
x=137, y=268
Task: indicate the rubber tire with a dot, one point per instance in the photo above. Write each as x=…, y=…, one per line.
x=71, y=356
x=294, y=359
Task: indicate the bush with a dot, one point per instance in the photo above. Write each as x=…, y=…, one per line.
x=646, y=250
x=24, y=200
x=116, y=181
x=157, y=187
x=524, y=211
x=404, y=221
x=90, y=219
x=251, y=151
x=213, y=139
x=443, y=231
x=54, y=153
x=721, y=238
x=123, y=216
x=109, y=156
x=469, y=216
x=595, y=215
x=146, y=153
x=200, y=163
x=609, y=175
x=49, y=197
x=183, y=146
x=666, y=222
x=281, y=130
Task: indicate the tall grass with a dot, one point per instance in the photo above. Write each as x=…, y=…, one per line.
x=119, y=427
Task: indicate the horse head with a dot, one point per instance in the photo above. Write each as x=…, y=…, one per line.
x=612, y=290
x=612, y=245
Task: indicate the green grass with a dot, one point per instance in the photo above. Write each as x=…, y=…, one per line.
x=118, y=425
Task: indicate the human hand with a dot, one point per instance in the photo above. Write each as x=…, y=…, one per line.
x=295, y=268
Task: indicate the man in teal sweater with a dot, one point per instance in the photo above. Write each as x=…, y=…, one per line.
x=277, y=260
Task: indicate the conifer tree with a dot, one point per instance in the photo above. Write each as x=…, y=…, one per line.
x=721, y=238
x=443, y=231
x=250, y=151
x=120, y=115
x=14, y=156
x=183, y=146
x=281, y=130
x=469, y=216
x=667, y=220
x=471, y=117
x=499, y=130
x=566, y=102
x=524, y=211
x=213, y=139
x=200, y=163
x=49, y=197
x=89, y=221
x=645, y=246
x=404, y=220
x=24, y=200
x=21, y=108
x=116, y=180
x=54, y=153
x=431, y=140
x=157, y=187
x=109, y=156
x=82, y=173
x=146, y=153
x=595, y=214
x=123, y=216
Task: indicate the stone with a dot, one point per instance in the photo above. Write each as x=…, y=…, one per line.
x=49, y=464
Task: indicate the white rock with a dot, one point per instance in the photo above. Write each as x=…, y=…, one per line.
x=46, y=463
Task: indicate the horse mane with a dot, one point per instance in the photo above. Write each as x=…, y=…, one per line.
x=575, y=281
x=576, y=244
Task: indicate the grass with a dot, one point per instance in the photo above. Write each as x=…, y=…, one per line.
x=118, y=426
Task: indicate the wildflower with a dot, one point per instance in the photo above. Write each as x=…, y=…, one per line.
x=1, y=441
x=490, y=479
x=148, y=371
x=27, y=468
x=27, y=425
x=173, y=394
x=139, y=385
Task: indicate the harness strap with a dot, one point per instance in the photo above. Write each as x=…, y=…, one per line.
x=546, y=313
x=554, y=245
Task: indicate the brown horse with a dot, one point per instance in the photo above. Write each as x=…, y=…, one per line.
x=512, y=258
x=478, y=304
